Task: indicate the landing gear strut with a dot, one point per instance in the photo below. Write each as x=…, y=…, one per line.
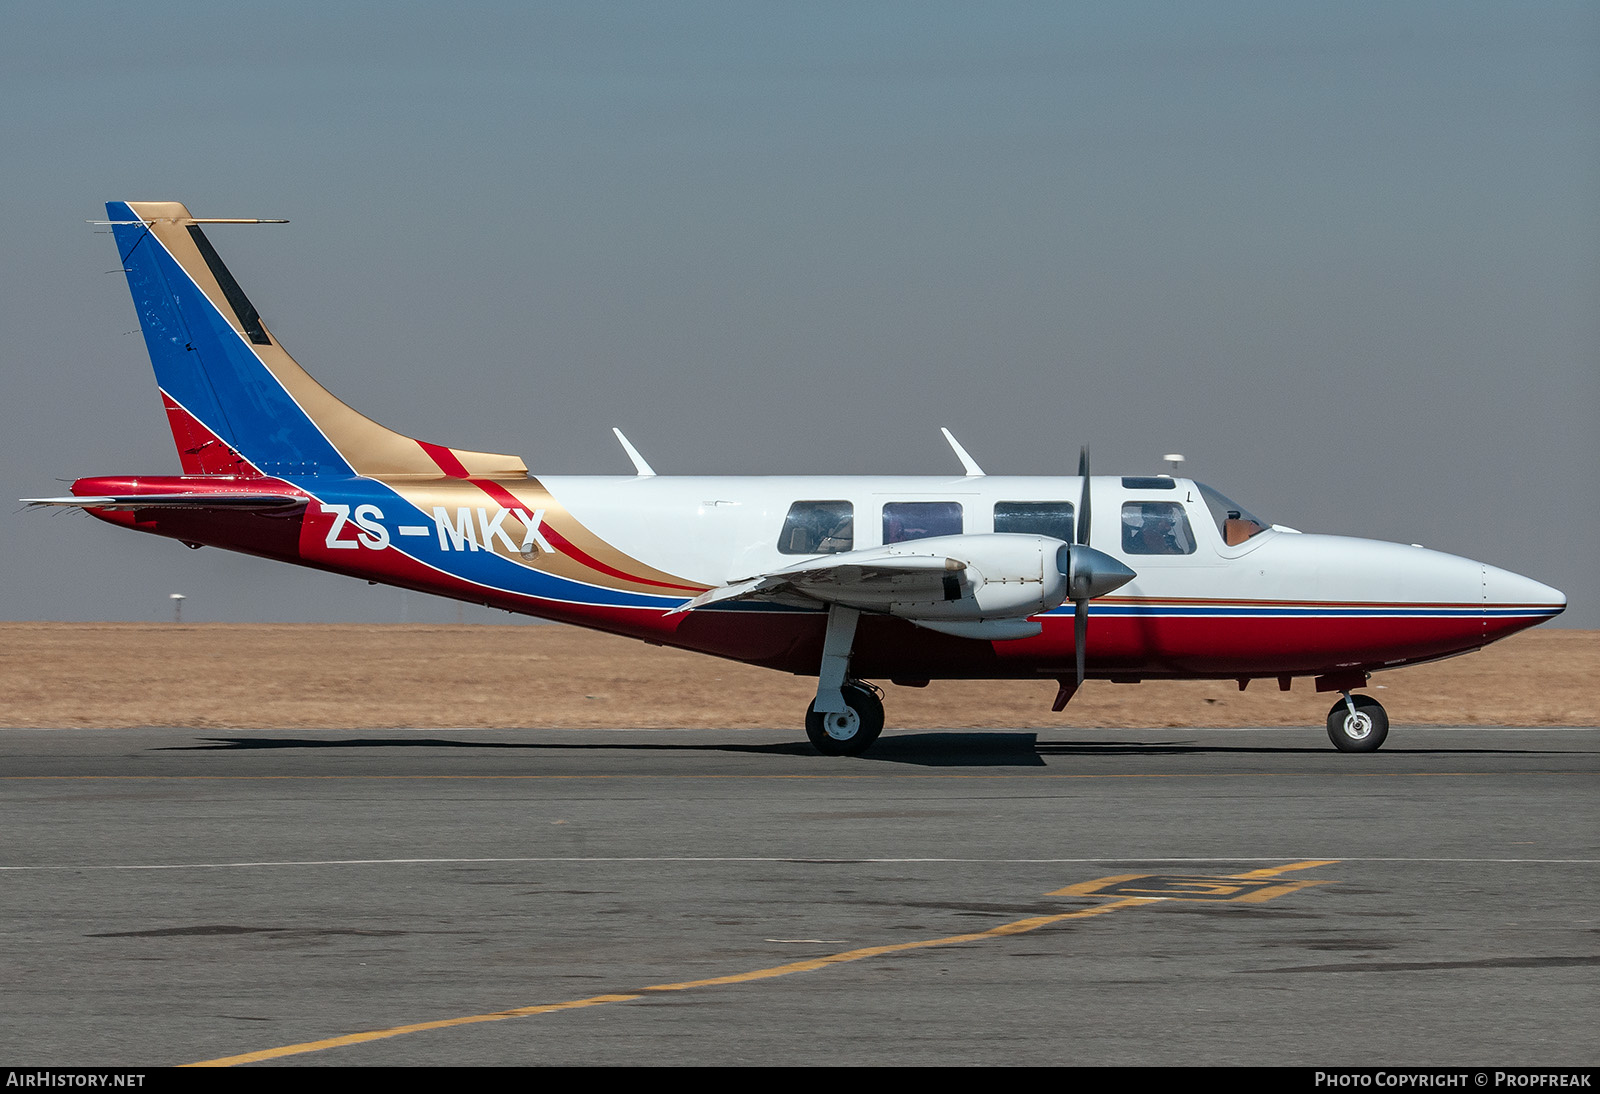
x=847, y=715
x=1357, y=723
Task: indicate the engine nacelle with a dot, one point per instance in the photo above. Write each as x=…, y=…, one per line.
x=1004, y=576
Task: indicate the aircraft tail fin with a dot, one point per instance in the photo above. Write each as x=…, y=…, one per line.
x=236, y=401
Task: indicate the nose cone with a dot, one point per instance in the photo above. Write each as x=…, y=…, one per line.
x=1507, y=593
x=1389, y=603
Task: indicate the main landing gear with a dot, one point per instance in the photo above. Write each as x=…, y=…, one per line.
x=847, y=715
x=1357, y=723
x=851, y=731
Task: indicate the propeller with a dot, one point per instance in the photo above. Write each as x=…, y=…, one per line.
x=1089, y=573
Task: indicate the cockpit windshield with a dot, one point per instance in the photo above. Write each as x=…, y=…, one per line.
x=1234, y=523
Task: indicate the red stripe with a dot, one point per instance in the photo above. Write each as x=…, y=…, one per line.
x=446, y=460
x=508, y=500
x=200, y=450
x=1206, y=602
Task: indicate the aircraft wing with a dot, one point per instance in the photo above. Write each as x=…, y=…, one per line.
x=871, y=582
x=989, y=586
x=173, y=501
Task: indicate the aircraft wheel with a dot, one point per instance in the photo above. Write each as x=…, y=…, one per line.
x=852, y=732
x=1362, y=731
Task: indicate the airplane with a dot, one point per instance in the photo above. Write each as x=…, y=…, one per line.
x=851, y=579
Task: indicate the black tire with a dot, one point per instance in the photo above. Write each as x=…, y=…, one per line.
x=867, y=711
x=1363, y=732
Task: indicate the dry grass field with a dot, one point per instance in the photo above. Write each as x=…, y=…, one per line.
x=239, y=676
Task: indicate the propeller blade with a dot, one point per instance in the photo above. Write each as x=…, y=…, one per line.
x=1089, y=573
x=1083, y=502
x=1080, y=633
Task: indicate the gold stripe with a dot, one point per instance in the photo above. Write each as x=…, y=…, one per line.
x=454, y=495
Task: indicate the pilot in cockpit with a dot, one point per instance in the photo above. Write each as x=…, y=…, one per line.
x=1151, y=528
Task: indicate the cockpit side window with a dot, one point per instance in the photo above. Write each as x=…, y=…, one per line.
x=1035, y=518
x=1156, y=528
x=818, y=528
x=1234, y=523
x=903, y=520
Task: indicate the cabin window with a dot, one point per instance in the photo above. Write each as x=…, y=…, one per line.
x=1156, y=528
x=1152, y=482
x=818, y=528
x=1034, y=518
x=1234, y=523
x=903, y=520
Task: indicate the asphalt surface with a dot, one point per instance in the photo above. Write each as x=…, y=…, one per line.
x=171, y=896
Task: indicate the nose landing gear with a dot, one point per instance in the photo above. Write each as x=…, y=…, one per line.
x=1357, y=723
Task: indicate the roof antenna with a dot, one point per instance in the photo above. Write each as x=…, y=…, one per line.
x=643, y=469
x=1173, y=459
x=968, y=464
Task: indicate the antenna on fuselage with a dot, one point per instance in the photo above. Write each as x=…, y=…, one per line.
x=1173, y=460
x=643, y=469
x=968, y=464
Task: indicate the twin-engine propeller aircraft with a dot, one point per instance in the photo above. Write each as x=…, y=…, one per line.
x=851, y=579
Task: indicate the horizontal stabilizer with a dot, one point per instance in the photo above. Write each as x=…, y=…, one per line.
x=174, y=501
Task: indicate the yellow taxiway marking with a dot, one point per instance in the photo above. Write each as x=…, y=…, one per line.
x=1250, y=887
x=1274, y=871
x=1004, y=930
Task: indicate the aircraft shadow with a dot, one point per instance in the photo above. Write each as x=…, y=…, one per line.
x=245, y=744
x=929, y=749
x=926, y=749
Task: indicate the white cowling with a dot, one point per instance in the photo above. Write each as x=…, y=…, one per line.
x=1001, y=577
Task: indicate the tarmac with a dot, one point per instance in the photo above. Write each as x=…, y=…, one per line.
x=461, y=897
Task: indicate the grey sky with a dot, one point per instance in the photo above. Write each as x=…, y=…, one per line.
x=1345, y=257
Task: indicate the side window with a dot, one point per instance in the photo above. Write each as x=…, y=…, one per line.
x=1035, y=518
x=1156, y=528
x=1234, y=522
x=903, y=520
x=818, y=528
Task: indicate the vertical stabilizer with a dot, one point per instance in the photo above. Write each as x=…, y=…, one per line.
x=236, y=401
